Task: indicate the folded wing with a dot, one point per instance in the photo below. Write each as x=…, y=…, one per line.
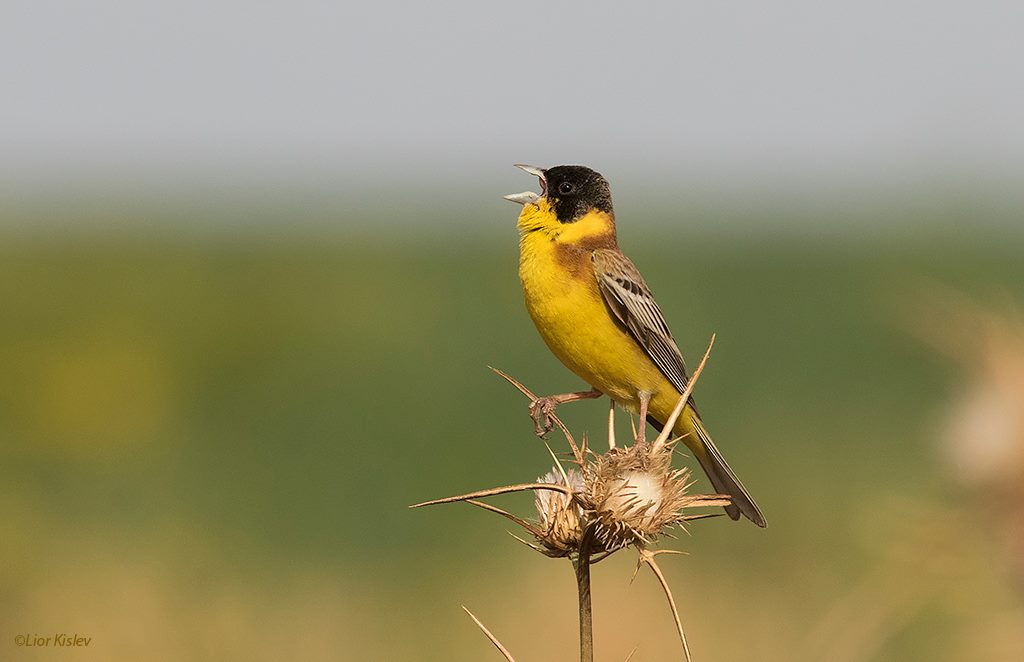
x=631, y=301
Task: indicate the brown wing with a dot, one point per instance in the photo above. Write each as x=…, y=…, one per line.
x=631, y=301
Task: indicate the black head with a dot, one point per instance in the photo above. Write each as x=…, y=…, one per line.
x=574, y=190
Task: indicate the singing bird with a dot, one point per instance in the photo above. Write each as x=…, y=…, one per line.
x=598, y=316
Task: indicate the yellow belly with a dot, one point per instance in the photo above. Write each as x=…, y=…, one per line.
x=578, y=327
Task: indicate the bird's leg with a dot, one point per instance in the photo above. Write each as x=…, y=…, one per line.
x=645, y=400
x=542, y=409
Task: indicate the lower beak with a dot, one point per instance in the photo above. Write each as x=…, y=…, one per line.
x=529, y=197
x=524, y=198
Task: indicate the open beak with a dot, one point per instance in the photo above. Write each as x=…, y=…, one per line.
x=529, y=197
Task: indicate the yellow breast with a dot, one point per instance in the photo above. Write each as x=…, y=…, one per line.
x=565, y=303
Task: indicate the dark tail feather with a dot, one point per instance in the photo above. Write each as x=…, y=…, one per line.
x=725, y=481
x=722, y=478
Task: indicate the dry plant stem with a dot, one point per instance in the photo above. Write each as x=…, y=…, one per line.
x=507, y=515
x=647, y=557
x=611, y=423
x=586, y=614
x=581, y=564
x=557, y=421
x=494, y=640
x=497, y=490
x=683, y=399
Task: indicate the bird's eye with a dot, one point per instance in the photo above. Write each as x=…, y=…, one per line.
x=565, y=188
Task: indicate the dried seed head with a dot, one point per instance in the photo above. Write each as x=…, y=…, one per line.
x=634, y=495
x=559, y=527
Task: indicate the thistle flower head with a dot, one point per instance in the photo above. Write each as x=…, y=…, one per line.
x=627, y=496
x=559, y=527
x=634, y=495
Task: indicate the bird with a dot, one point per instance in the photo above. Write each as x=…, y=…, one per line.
x=598, y=316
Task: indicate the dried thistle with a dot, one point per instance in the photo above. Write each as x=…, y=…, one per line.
x=983, y=427
x=559, y=517
x=627, y=496
x=634, y=495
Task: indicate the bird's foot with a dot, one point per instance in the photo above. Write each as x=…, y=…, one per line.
x=541, y=411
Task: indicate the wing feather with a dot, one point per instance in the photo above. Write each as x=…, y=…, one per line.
x=631, y=301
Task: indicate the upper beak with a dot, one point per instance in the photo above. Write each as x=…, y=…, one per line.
x=529, y=197
x=533, y=170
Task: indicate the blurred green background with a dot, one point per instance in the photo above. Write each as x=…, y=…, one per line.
x=254, y=263
x=210, y=440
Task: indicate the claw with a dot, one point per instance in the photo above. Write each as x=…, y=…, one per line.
x=541, y=411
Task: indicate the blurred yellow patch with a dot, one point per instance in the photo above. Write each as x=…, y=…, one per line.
x=91, y=394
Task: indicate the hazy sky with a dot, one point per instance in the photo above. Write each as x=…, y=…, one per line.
x=335, y=89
